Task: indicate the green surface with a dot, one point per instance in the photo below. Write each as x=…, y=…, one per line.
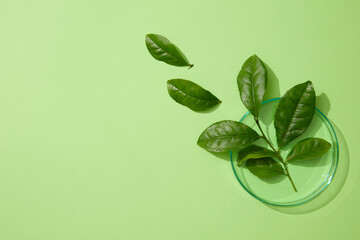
x=92, y=146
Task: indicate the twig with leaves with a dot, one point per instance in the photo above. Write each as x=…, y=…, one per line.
x=292, y=117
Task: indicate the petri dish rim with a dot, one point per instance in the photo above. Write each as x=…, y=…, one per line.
x=322, y=187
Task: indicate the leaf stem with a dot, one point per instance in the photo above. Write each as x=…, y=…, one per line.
x=263, y=134
x=288, y=174
x=277, y=153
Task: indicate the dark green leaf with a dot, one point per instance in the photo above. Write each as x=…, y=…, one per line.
x=309, y=148
x=264, y=167
x=294, y=113
x=252, y=81
x=227, y=136
x=164, y=50
x=191, y=95
x=253, y=152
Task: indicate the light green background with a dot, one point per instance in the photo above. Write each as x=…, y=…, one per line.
x=92, y=146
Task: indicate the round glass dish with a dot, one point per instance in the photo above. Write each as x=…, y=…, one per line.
x=311, y=177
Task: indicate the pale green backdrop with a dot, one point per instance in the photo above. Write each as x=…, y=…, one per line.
x=93, y=148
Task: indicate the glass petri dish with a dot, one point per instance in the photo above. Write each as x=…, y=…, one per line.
x=311, y=177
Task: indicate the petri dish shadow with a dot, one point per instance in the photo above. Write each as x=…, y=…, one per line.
x=334, y=187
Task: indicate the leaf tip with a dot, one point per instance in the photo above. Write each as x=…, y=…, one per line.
x=148, y=36
x=309, y=83
x=199, y=143
x=255, y=56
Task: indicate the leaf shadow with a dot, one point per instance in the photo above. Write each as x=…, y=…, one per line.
x=273, y=86
x=272, y=91
x=323, y=103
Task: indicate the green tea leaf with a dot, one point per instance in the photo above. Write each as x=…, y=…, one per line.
x=294, y=113
x=264, y=167
x=309, y=148
x=225, y=136
x=164, y=50
x=252, y=80
x=191, y=95
x=253, y=152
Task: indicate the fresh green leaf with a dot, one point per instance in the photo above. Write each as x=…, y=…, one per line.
x=225, y=136
x=191, y=95
x=252, y=80
x=309, y=148
x=264, y=167
x=294, y=113
x=164, y=50
x=253, y=152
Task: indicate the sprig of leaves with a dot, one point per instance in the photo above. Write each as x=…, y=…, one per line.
x=292, y=117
